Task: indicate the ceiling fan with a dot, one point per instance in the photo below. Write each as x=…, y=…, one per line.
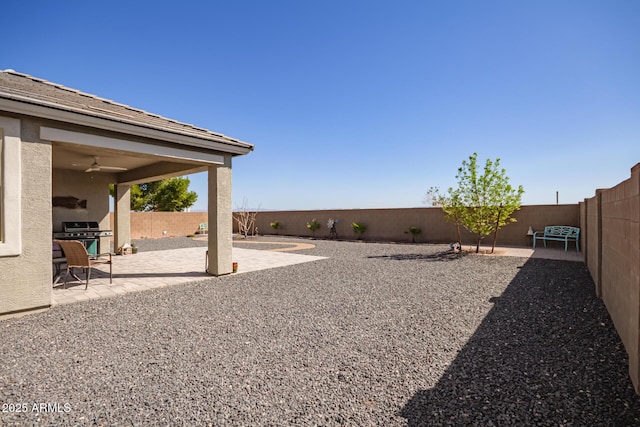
x=97, y=167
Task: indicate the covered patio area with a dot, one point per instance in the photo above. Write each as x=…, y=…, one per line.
x=60, y=151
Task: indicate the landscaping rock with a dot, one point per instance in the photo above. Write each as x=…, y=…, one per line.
x=377, y=334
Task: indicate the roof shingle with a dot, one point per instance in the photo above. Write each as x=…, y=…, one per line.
x=25, y=88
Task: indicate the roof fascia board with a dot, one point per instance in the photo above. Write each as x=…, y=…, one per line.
x=67, y=115
x=60, y=135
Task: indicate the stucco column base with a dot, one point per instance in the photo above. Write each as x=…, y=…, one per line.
x=220, y=219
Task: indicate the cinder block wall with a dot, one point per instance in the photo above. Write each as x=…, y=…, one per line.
x=150, y=225
x=391, y=224
x=613, y=258
x=592, y=228
x=382, y=224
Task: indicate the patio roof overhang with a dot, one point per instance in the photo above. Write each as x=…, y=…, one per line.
x=148, y=146
x=106, y=121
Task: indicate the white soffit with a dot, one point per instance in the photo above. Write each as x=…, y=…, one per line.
x=59, y=135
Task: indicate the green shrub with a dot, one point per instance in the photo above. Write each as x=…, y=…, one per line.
x=359, y=229
x=275, y=225
x=313, y=226
x=413, y=231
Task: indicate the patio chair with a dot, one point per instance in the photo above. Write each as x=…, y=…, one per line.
x=57, y=259
x=78, y=257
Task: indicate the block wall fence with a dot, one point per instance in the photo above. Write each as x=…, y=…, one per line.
x=153, y=225
x=382, y=224
x=390, y=225
x=612, y=253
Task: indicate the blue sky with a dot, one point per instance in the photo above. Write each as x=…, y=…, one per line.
x=362, y=104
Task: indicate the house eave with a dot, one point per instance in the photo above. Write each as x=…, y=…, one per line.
x=52, y=111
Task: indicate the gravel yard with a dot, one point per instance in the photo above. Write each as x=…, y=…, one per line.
x=378, y=334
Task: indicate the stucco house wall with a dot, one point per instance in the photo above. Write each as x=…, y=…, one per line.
x=92, y=188
x=25, y=279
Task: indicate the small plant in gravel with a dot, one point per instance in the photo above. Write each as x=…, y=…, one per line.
x=246, y=219
x=275, y=225
x=413, y=231
x=314, y=225
x=359, y=228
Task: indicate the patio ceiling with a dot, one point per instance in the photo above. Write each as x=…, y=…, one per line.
x=79, y=157
x=127, y=161
x=138, y=166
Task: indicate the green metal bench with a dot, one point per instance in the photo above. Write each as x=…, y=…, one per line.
x=562, y=233
x=203, y=228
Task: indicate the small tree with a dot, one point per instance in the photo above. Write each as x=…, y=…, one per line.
x=489, y=199
x=313, y=226
x=173, y=195
x=246, y=219
x=359, y=229
x=166, y=195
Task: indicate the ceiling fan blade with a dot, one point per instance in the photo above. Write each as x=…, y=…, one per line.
x=97, y=167
x=113, y=168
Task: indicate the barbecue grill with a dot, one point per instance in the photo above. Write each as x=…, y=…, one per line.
x=88, y=232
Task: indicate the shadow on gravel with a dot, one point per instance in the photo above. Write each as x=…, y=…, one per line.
x=546, y=354
x=440, y=256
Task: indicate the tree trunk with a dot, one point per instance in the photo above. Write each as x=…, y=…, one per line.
x=478, y=245
x=495, y=233
x=458, y=231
